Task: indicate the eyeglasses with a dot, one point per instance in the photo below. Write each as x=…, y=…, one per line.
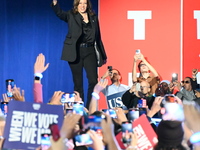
x=141, y=87
x=185, y=82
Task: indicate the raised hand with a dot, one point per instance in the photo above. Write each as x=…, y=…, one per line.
x=18, y=94
x=39, y=66
x=55, y=100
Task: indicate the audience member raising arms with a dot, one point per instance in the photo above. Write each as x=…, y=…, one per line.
x=145, y=72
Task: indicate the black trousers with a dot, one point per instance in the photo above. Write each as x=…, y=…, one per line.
x=86, y=58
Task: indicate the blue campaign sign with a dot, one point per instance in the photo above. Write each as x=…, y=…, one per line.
x=26, y=122
x=115, y=100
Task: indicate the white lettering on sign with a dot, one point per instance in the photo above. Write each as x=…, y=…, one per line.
x=197, y=16
x=139, y=18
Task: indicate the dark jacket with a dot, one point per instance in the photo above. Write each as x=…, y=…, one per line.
x=74, y=21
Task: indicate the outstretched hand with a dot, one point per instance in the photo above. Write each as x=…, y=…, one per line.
x=18, y=94
x=100, y=85
x=55, y=100
x=39, y=66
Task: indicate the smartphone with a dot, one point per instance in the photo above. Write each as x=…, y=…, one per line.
x=78, y=108
x=110, y=112
x=93, y=122
x=174, y=77
x=45, y=141
x=67, y=97
x=142, y=103
x=133, y=114
x=137, y=51
x=4, y=108
x=127, y=129
x=142, y=111
x=54, y=131
x=169, y=98
x=137, y=87
x=9, y=86
x=83, y=139
x=110, y=68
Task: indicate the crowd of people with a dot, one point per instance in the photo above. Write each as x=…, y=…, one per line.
x=175, y=103
x=180, y=120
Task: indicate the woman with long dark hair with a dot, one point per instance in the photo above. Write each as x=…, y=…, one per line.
x=79, y=46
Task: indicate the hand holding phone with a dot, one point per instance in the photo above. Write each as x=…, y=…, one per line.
x=110, y=68
x=83, y=139
x=127, y=130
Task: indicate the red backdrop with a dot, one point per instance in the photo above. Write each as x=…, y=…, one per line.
x=165, y=32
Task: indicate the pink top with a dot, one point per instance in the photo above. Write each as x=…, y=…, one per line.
x=37, y=93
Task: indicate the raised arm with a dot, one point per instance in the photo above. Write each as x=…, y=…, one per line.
x=95, y=95
x=151, y=68
x=63, y=15
x=134, y=71
x=39, y=68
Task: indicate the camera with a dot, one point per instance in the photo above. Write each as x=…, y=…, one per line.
x=133, y=114
x=127, y=129
x=170, y=98
x=83, y=139
x=4, y=108
x=174, y=77
x=9, y=86
x=45, y=141
x=110, y=68
x=93, y=122
x=78, y=108
x=137, y=51
x=67, y=97
x=110, y=112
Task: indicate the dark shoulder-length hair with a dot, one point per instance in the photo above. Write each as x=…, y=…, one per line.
x=89, y=7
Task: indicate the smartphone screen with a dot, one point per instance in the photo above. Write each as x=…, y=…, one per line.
x=110, y=112
x=169, y=98
x=83, y=139
x=54, y=131
x=142, y=103
x=45, y=141
x=4, y=108
x=127, y=129
x=137, y=51
x=133, y=114
x=174, y=77
x=9, y=86
x=67, y=97
x=78, y=108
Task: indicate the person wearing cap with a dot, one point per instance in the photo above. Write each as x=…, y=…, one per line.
x=170, y=135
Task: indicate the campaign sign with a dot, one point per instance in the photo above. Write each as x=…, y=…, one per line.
x=146, y=136
x=26, y=122
x=115, y=100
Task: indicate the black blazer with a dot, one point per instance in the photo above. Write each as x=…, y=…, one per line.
x=74, y=21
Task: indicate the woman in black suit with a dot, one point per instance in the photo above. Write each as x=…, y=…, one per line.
x=78, y=50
